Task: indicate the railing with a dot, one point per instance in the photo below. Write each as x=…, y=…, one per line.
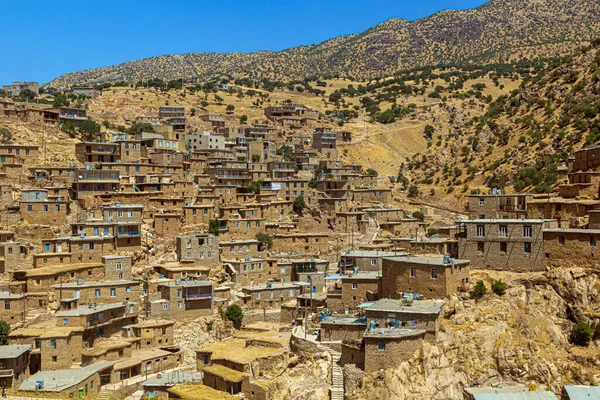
x=510, y=207
x=130, y=233
x=198, y=295
x=6, y=373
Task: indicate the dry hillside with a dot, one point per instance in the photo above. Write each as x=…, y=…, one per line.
x=498, y=31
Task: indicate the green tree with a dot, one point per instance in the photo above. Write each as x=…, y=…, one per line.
x=413, y=191
x=265, y=240
x=299, y=205
x=230, y=108
x=419, y=215
x=60, y=100
x=5, y=135
x=581, y=334
x=372, y=172
x=479, y=290
x=214, y=227
x=255, y=158
x=499, y=287
x=27, y=94
x=89, y=130
x=218, y=99
x=243, y=119
x=140, y=127
x=68, y=127
x=4, y=331
x=428, y=131
x=234, y=314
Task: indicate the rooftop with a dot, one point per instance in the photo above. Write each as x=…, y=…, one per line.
x=13, y=351
x=173, y=378
x=199, y=392
x=344, y=320
x=580, y=392
x=417, y=307
x=63, y=379
x=393, y=333
x=361, y=276
x=86, y=310
x=228, y=374
x=75, y=285
x=55, y=269
x=506, y=221
x=426, y=260
x=513, y=392
x=369, y=253
x=188, y=284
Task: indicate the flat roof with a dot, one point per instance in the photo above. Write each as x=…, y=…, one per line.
x=13, y=351
x=506, y=221
x=172, y=379
x=86, y=310
x=368, y=253
x=137, y=357
x=426, y=260
x=228, y=374
x=581, y=392
x=274, y=285
x=362, y=275
x=513, y=392
x=199, y=392
x=62, y=379
x=394, y=333
x=188, y=284
x=417, y=307
x=574, y=230
x=74, y=285
x=344, y=320
x=54, y=269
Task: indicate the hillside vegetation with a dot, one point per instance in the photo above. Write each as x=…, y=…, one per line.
x=499, y=31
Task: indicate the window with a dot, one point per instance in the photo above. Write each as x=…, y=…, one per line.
x=65, y=321
x=527, y=231
x=97, y=293
x=480, y=231
x=45, y=208
x=482, y=202
x=119, y=266
x=434, y=273
x=561, y=240
x=54, y=359
x=373, y=262
x=179, y=304
x=165, y=306
x=113, y=292
x=354, y=286
x=91, y=246
x=413, y=272
x=53, y=343
x=179, y=293
x=380, y=344
x=593, y=241
x=503, y=231
x=127, y=289
x=209, y=255
x=6, y=305
x=257, y=296
x=503, y=247
x=460, y=269
x=130, y=213
x=57, y=207
x=480, y=247
x=29, y=208
x=527, y=247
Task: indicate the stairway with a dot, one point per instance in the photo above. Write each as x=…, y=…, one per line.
x=336, y=391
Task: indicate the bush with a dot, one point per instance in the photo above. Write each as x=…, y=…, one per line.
x=372, y=172
x=234, y=313
x=499, y=287
x=4, y=331
x=419, y=215
x=479, y=290
x=581, y=334
x=413, y=190
x=265, y=239
x=214, y=227
x=299, y=205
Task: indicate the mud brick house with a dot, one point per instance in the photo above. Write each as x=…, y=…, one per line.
x=183, y=299
x=339, y=328
x=572, y=247
x=559, y=208
x=292, y=115
x=167, y=224
x=92, y=153
x=14, y=365
x=257, y=270
x=13, y=307
x=431, y=277
x=174, y=116
x=11, y=252
x=364, y=260
x=270, y=294
x=371, y=195
x=199, y=248
x=311, y=271
x=497, y=206
x=23, y=154
x=94, y=182
x=396, y=328
x=506, y=244
x=99, y=320
x=325, y=141
x=309, y=243
x=150, y=333
x=117, y=267
x=36, y=207
x=434, y=245
x=73, y=295
x=52, y=347
x=183, y=271
x=69, y=383
x=240, y=248
x=75, y=116
x=359, y=288
x=42, y=279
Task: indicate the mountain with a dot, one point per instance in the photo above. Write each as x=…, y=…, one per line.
x=523, y=137
x=498, y=31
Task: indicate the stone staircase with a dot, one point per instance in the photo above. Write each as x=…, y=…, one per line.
x=336, y=391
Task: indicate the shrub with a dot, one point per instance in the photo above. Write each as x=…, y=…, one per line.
x=372, y=172
x=214, y=227
x=4, y=331
x=419, y=215
x=581, y=334
x=499, y=287
x=299, y=205
x=413, y=190
x=479, y=290
x=264, y=239
x=234, y=313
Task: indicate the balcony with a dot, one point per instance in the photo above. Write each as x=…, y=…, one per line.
x=511, y=207
x=6, y=373
x=196, y=296
x=129, y=233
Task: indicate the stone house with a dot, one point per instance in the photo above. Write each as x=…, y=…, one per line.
x=304, y=243
x=364, y=260
x=270, y=294
x=72, y=295
x=199, y=248
x=431, y=277
x=13, y=306
x=182, y=299
x=571, y=247
x=359, y=288
x=340, y=328
x=168, y=224
x=42, y=279
x=150, y=333
x=14, y=365
x=52, y=348
x=506, y=244
x=497, y=206
x=196, y=214
x=257, y=270
x=240, y=248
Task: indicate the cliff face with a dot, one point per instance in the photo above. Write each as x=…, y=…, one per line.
x=511, y=338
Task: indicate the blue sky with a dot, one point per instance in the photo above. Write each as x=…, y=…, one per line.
x=51, y=38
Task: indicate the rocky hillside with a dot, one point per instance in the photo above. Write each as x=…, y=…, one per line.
x=498, y=31
x=523, y=137
x=514, y=337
